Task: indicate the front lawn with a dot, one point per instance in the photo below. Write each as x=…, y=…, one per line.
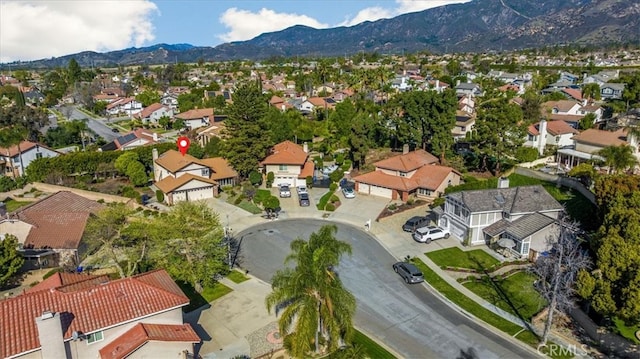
x=12, y=204
x=476, y=259
x=373, y=349
x=626, y=331
x=237, y=277
x=209, y=294
x=249, y=207
x=514, y=294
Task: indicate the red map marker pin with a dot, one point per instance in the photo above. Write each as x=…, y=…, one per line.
x=183, y=144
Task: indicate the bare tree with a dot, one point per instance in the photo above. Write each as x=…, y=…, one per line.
x=558, y=271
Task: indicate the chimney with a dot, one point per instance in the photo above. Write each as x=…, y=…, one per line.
x=305, y=147
x=542, y=140
x=154, y=154
x=50, y=335
x=503, y=182
x=405, y=148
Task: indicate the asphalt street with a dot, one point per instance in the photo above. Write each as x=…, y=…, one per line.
x=410, y=319
x=96, y=125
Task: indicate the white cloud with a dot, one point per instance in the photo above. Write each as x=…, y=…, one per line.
x=31, y=30
x=405, y=6
x=368, y=14
x=245, y=25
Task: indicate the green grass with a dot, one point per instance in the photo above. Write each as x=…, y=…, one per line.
x=628, y=332
x=88, y=113
x=261, y=195
x=12, y=204
x=209, y=294
x=476, y=259
x=324, y=200
x=237, y=277
x=514, y=294
x=250, y=207
x=373, y=349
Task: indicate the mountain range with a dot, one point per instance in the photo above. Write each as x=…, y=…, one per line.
x=476, y=26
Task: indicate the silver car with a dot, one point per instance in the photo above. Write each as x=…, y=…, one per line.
x=409, y=272
x=285, y=191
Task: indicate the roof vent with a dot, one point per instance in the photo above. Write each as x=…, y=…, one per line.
x=47, y=314
x=500, y=198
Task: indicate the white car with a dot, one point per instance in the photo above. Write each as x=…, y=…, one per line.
x=301, y=189
x=428, y=234
x=285, y=192
x=348, y=192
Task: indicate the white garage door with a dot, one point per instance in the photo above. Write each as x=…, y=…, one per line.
x=179, y=196
x=381, y=191
x=363, y=188
x=200, y=193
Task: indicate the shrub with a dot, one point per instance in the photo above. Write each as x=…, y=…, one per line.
x=339, y=159
x=330, y=207
x=392, y=207
x=319, y=162
x=309, y=181
x=336, y=175
x=437, y=202
x=333, y=187
x=100, y=200
x=238, y=199
x=270, y=178
x=255, y=178
x=346, y=166
x=334, y=199
x=327, y=158
x=411, y=201
x=159, y=196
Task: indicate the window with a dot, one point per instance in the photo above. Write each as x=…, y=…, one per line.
x=282, y=168
x=205, y=172
x=38, y=155
x=94, y=337
x=424, y=192
x=531, y=138
x=403, y=174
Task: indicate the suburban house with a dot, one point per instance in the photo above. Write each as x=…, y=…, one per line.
x=411, y=173
x=152, y=113
x=186, y=178
x=71, y=315
x=611, y=90
x=549, y=133
x=589, y=142
x=205, y=134
x=196, y=118
x=15, y=159
x=50, y=231
x=128, y=105
x=289, y=163
x=312, y=103
x=467, y=104
x=170, y=100
x=468, y=89
x=525, y=215
x=136, y=138
x=464, y=125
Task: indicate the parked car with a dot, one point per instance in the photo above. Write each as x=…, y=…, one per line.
x=329, y=169
x=285, y=191
x=301, y=189
x=348, y=192
x=115, y=130
x=409, y=272
x=414, y=223
x=428, y=234
x=303, y=199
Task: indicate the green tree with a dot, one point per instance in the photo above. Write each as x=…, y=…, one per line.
x=124, y=160
x=188, y=243
x=73, y=71
x=164, y=121
x=591, y=91
x=13, y=136
x=148, y=97
x=587, y=121
x=618, y=158
x=248, y=140
x=10, y=259
x=499, y=131
x=213, y=148
x=137, y=174
x=271, y=205
x=315, y=306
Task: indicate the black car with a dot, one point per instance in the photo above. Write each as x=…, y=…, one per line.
x=303, y=199
x=414, y=223
x=115, y=130
x=409, y=272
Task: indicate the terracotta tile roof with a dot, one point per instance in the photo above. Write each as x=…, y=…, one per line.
x=196, y=114
x=563, y=117
x=602, y=138
x=408, y=162
x=142, y=333
x=286, y=153
x=307, y=170
x=554, y=128
x=86, y=310
x=13, y=150
x=276, y=100
x=147, y=111
x=58, y=220
x=120, y=102
x=574, y=93
x=60, y=279
x=220, y=168
x=169, y=184
x=428, y=177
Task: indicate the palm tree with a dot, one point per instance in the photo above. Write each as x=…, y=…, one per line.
x=315, y=306
x=13, y=136
x=618, y=158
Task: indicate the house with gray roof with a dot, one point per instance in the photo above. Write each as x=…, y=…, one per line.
x=524, y=216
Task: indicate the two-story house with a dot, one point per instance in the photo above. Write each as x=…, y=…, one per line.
x=49, y=231
x=611, y=90
x=468, y=89
x=411, y=173
x=464, y=125
x=289, y=163
x=170, y=100
x=525, y=215
x=587, y=144
x=152, y=113
x=186, y=178
x=128, y=106
x=196, y=118
x=15, y=159
x=549, y=133
x=76, y=316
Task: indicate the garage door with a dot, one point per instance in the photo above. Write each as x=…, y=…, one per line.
x=363, y=188
x=458, y=231
x=381, y=192
x=200, y=193
x=179, y=196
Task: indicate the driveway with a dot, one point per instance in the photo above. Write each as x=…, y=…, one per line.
x=408, y=318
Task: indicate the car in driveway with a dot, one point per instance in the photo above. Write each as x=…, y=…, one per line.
x=303, y=199
x=409, y=272
x=301, y=189
x=431, y=233
x=285, y=191
x=414, y=223
x=348, y=192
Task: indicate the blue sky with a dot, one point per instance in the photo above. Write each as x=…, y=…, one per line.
x=35, y=29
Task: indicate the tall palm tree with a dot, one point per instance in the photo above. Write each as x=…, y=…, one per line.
x=315, y=306
x=618, y=158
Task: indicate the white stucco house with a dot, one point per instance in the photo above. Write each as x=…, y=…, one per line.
x=289, y=163
x=15, y=159
x=549, y=133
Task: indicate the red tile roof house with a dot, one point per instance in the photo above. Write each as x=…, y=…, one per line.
x=411, y=173
x=550, y=133
x=186, y=178
x=52, y=228
x=289, y=163
x=85, y=316
x=14, y=161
